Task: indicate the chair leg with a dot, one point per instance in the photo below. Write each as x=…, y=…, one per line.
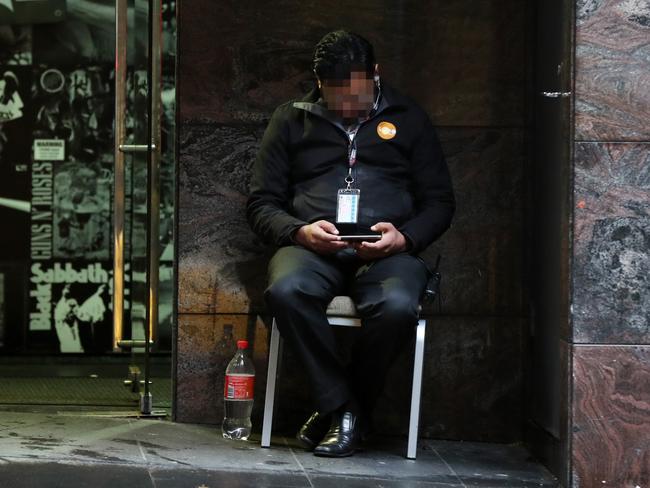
x=271, y=376
x=416, y=391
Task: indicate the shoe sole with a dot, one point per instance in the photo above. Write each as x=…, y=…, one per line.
x=337, y=455
x=306, y=443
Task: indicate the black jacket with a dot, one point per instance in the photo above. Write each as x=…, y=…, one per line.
x=303, y=161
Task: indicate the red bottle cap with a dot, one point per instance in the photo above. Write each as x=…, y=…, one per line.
x=242, y=344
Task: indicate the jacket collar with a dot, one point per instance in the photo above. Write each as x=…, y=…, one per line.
x=312, y=102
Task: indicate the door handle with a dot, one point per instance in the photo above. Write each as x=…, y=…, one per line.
x=136, y=148
x=153, y=191
x=119, y=204
x=155, y=121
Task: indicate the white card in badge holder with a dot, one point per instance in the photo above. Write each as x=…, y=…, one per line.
x=347, y=206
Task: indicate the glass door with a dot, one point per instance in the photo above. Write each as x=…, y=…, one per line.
x=137, y=250
x=87, y=162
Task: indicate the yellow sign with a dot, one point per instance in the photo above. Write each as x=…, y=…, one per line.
x=386, y=130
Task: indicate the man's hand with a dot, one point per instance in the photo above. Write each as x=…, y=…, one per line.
x=392, y=242
x=321, y=237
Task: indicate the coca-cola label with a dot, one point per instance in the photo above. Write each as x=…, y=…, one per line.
x=239, y=386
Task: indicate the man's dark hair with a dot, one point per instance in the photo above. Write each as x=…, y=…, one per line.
x=340, y=52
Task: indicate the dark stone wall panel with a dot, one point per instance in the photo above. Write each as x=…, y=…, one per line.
x=564, y=436
x=464, y=61
x=612, y=243
x=548, y=426
x=472, y=381
x=472, y=385
x=613, y=70
x=206, y=343
x=611, y=416
x=456, y=403
x=483, y=251
x=223, y=265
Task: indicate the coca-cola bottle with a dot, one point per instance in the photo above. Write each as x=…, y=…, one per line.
x=238, y=395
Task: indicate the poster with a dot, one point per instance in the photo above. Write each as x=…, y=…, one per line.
x=3, y=313
x=73, y=299
x=41, y=211
x=81, y=317
x=165, y=301
x=15, y=110
x=15, y=45
x=138, y=296
x=87, y=36
x=167, y=166
x=75, y=106
x=56, y=171
x=81, y=207
x=169, y=36
x=32, y=11
x=15, y=114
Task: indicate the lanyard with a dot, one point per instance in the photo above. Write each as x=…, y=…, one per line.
x=352, y=155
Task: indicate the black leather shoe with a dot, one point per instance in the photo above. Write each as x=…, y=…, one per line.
x=343, y=437
x=313, y=431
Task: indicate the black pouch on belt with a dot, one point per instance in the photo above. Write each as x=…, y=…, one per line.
x=432, y=290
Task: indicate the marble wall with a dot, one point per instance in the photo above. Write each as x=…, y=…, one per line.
x=466, y=63
x=612, y=76
x=611, y=242
x=611, y=303
x=611, y=416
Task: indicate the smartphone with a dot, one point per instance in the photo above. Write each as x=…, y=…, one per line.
x=361, y=237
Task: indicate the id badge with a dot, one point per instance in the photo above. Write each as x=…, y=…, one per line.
x=347, y=206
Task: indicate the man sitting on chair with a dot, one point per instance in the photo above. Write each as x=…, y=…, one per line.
x=351, y=184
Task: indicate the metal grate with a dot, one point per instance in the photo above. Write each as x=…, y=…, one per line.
x=78, y=391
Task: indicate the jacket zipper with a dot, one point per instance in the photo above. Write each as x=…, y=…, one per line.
x=347, y=134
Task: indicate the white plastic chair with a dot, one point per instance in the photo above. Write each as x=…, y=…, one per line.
x=341, y=311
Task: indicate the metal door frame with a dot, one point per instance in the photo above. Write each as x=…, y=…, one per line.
x=153, y=149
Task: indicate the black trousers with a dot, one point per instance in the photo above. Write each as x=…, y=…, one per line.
x=387, y=294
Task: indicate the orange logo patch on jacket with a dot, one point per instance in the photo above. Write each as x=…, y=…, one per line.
x=386, y=130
